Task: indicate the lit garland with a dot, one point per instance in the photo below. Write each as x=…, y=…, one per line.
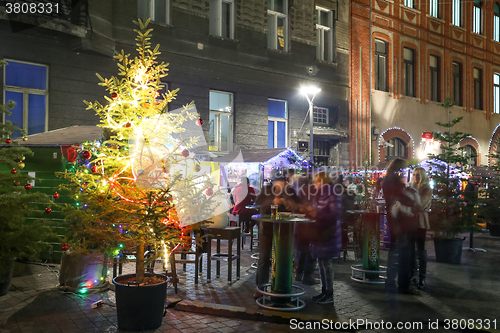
x=490, y=143
x=394, y=128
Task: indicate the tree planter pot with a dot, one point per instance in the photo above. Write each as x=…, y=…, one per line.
x=495, y=230
x=139, y=307
x=83, y=272
x=5, y=279
x=448, y=250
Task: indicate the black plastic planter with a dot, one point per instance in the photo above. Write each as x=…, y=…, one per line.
x=139, y=307
x=448, y=250
x=495, y=230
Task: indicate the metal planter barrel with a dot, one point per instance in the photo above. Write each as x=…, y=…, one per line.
x=139, y=307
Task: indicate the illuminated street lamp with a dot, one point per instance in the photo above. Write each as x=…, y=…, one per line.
x=310, y=91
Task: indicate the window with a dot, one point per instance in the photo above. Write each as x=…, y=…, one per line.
x=496, y=23
x=221, y=121
x=434, y=77
x=434, y=8
x=396, y=148
x=470, y=152
x=321, y=152
x=408, y=72
x=478, y=95
x=409, y=3
x=477, y=24
x=157, y=10
x=320, y=115
x=277, y=124
x=277, y=24
x=222, y=18
x=457, y=83
x=324, y=34
x=26, y=85
x=457, y=13
x=380, y=65
x=496, y=92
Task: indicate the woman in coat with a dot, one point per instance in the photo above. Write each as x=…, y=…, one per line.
x=327, y=240
x=421, y=184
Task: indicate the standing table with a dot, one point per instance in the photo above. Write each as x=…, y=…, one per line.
x=370, y=271
x=283, y=295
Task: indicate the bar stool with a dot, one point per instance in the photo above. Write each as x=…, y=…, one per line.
x=229, y=234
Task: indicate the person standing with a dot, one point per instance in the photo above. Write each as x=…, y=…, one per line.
x=327, y=240
x=277, y=193
x=244, y=195
x=421, y=184
x=399, y=258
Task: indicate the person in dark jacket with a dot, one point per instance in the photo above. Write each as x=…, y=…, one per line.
x=327, y=241
x=399, y=258
x=278, y=193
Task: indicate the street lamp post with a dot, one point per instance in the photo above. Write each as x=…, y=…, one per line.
x=310, y=91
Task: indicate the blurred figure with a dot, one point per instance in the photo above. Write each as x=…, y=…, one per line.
x=421, y=184
x=377, y=192
x=348, y=198
x=302, y=233
x=327, y=241
x=244, y=195
x=277, y=193
x=399, y=258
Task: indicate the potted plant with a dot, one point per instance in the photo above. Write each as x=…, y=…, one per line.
x=141, y=188
x=489, y=209
x=450, y=216
x=23, y=233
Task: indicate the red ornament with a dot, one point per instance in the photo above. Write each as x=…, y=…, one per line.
x=27, y=186
x=8, y=141
x=185, y=153
x=114, y=95
x=16, y=183
x=127, y=125
x=86, y=154
x=95, y=169
x=64, y=247
x=430, y=176
x=48, y=210
x=55, y=195
x=209, y=192
x=199, y=122
x=13, y=171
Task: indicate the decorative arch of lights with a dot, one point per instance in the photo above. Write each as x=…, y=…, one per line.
x=491, y=142
x=394, y=128
x=473, y=138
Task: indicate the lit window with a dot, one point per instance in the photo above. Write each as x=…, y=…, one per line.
x=380, y=65
x=221, y=121
x=320, y=115
x=434, y=8
x=470, y=153
x=277, y=123
x=222, y=18
x=478, y=95
x=477, y=24
x=434, y=77
x=157, y=10
x=409, y=3
x=457, y=12
x=496, y=23
x=408, y=72
x=26, y=85
x=457, y=83
x=396, y=148
x=496, y=92
x=325, y=30
x=277, y=24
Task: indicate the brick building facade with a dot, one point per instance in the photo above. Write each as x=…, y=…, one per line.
x=241, y=61
x=422, y=52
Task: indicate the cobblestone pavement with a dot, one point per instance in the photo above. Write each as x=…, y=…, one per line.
x=467, y=291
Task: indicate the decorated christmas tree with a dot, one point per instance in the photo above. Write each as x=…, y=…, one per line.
x=23, y=232
x=140, y=187
x=450, y=213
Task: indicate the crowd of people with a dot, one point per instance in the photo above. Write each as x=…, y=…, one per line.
x=326, y=200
